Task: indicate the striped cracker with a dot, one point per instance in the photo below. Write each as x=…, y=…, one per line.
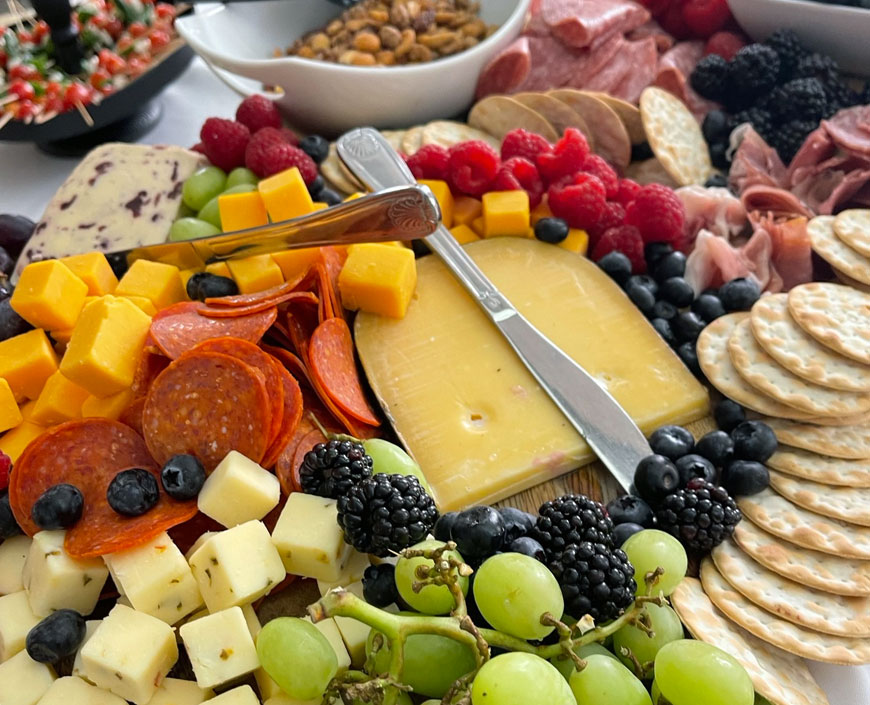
x=853, y=228
x=835, y=315
x=832, y=574
x=820, y=468
x=835, y=252
x=849, y=504
x=848, y=442
x=780, y=632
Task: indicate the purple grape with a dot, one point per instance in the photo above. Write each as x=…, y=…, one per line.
x=15, y=231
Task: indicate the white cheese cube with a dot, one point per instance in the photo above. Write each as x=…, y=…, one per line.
x=13, y=553
x=238, y=490
x=156, y=579
x=90, y=627
x=129, y=654
x=70, y=690
x=237, y=566
x=353, y=632
x=24, y=681
x=16, y=619
x=309, y=539
x=55, y=581
x=329, y=629
x=252, y=620
x=199, y=542
x=283, y=699
x=243, y=695
x=174, y=691
x=353, y=571
x=267, y=687
x=220, y=647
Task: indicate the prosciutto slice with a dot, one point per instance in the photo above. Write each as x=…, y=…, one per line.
x=580, y=23
x=775, y=200
x=755, y=163
x=716, y=210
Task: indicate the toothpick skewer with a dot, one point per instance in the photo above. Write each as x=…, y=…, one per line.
x=86, y=116
x=11, y=98
x=45, y=117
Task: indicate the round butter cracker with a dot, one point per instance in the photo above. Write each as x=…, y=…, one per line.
x=835, y=315
x=821, y=468
x=446, y=133
x=412, y=140
x=559, y=114
x=612, y=140
x=336, y=173
x=499, y=114
x=853, y=228
x=394, y=137
x=835, y=252
x=627, y=112
x=846, y=442
x=849, y=504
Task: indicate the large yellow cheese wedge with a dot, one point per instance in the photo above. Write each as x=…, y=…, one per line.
x=468, y=411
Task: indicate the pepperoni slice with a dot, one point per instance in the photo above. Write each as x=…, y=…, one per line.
x=290, y=460
x=177, y=328
x=242, y=300
x=291, y=414
x=333, y=261
x=236, y=311
x=132, y=415
x=88, y=453
x=290, y=361
x=150, y=365
x=207, y=404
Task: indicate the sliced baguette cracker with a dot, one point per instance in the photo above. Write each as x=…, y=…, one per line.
x=849, y=504
x=628, y=113
x=499, y=114
x=835, y=315
x=611, y=138
x=846, y=442
x=558, y=114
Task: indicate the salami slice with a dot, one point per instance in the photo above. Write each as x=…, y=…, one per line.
x=257, y=297
x=292, y=413
x=88, y=453
x=236, y=311
x=179, y=327
x=207, y=404
x=132, y=415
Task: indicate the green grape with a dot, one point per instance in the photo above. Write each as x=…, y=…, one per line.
x=518, y=678
x=190, y=229
x=211, y=213
x=761, y=700
x=297, y=657
x=432, y=662
x=512, y=591
x=605, y=681
x=655, y=693
x=185, y=211
x=690, y=672
x=666, y=628
x=202, y=186
x=391, y=459
x=565, y=665
x=240, y=175
x=403, y=699
x=651, y=549
x=432, y=599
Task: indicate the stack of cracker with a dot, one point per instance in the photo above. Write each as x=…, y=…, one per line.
x=844, y=243
x=797, y=573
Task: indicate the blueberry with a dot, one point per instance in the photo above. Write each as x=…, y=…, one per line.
x=623, y=532
x=11, y=324
x=716, y=127
x=552, y=230
x=641, y=295
x=329, y=196
x=57, y=636
x=6, y=288
x=133, y=492
x=709, y=307
x=444, y=526
x=646, y=281
x=616, y=266
x=671, y=441
x=478, y=532
x=654, y=251
x=664, y=309
x=379, y=585
x=629, y=508
x=59, y=507
x=8, y=526
x=528, y=547
x=655, y=478
x=315, y=147
x=678, y=291
x=728, y=414
x=687, y=326
x=718, y=180
x=691, y=466
x=754, y=440
x=739, y=294
x=717, y=447
x=7, y=264
x=205, y=285
x=671, y=265
x=689, y=355
x=719, y=155
x=182, y=477
x=316, y=186
x=516, y=523
x=663, y=328
x=641, y=152
x=745, y=477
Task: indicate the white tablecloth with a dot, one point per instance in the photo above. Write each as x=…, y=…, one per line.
x=28, y=179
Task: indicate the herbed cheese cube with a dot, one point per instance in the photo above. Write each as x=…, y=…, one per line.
x=220, y=647
x=13, y=553
x=252, y=620
x=90, y=627
x=237, y=566
x=243, y=695
x=329, y=629
x=238, y=490
x=174, y=691
x=70, y=690
x=309, y=539
x=156, y=579
x=199, y=542
x=353, y=572
x=24, y=681
x=54, y=580
x=16, y=619
x=353, y=632
x=129, y=654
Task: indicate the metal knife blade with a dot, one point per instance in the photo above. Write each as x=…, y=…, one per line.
x=597, y=416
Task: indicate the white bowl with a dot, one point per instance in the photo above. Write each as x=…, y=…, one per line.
x=836, y=30
x=331, y=98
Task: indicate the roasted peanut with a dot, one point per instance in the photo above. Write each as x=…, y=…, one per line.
x=367, y=42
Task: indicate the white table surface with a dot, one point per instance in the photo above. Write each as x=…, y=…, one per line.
x=28, y=179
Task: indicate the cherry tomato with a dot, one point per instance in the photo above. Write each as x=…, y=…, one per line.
x=54, y=105
x=53, y=89
x=25, y=72
x=3, y=59
x=164, y=10
x=76, y=93
x=24, y=36
x=137, y=29
x=110, y=61
x=99, y=78
x=137, y=65
x=159, y=39
x=22, y=89
x=41, y=30
x=114, y=27
x=25, y=110
x=124, y=45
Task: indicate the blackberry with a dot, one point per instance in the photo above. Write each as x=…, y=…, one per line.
x=840, y=96
x=595, y=580
x=818, y=66
x=789, y=50
x=789, y=138
x=755, y=70
x=701, y=516
x=760, y=119
x=572, y=518
x=331, y=469
x=385, y=513
x=802, y=97
x=711, y=77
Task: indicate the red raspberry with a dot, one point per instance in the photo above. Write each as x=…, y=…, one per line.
x=265, y=158
x=628, y=191
x=269, y=135
x=522, y=143
x=256, y=112
x=198, y=147
x=519, y=173
x=5, y=469
x=225, y=142
x=598, y=166
x=290, y=136
x=725, y=44
x=566, y=157
x=612, y=216
x=429, y=162
x=706, y=17
x=625, y=239
x=580, y=202
x=659, y=214
x=472, y=167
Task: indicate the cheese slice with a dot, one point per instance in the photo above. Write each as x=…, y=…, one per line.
x=466, y=408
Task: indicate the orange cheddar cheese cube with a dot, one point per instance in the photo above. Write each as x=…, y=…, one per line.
x=15, y=441
x=159, y=283
x=49, y=295
x=94, y=270
x=185, y=275
x=464, y=234
x=444, y=197
x=477, y=225
x=295, y=262
x=10, y=414
x=540, y=211
x=26, y=361
x=378, y=279
x=466, y=209
x=240, y=211
x=107, y=407
x=506, y=213
x=255, y=273
x=354, y=196
x=59, y=401
x=285, y=195
x=219, y=269
x=26, y=410
x=143, y=303
x=104, y=351
x=577, y=241
x=319, y=206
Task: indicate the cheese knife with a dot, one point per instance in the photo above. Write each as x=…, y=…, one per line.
x=589, y=407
